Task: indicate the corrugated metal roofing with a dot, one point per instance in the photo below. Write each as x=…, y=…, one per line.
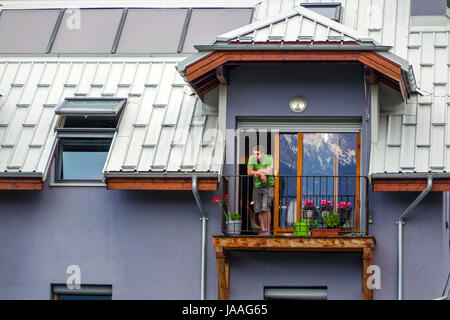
x=298, y=24
x=164, y=127
x=415, y=136
x=386, y=21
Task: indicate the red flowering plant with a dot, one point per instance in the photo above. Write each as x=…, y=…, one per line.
x=223, y=203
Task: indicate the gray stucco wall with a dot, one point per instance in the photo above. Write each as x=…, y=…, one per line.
x=148, y=246
x=426, y=246
x=428, y=7
x=143, y=243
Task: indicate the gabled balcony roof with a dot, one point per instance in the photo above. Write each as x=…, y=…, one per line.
x=296, y=35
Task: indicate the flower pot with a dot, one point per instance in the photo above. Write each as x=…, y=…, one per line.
x=233, y=227
x=308, y=214
x=301, y=228
x=325, y=232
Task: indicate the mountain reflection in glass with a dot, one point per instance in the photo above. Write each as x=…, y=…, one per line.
x=288, y=179
x=325, y=157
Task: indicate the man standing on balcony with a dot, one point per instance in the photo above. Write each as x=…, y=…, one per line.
x=260, y=166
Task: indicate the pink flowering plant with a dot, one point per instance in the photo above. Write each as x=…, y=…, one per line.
x=308, y=205
x=344, y=207
x=326, y=205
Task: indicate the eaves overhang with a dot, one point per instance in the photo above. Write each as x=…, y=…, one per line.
x=160, y=181
x=207, y=69
x=409, y=182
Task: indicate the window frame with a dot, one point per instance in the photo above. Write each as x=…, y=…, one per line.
x=276, y=210
x=103, y=290
x=58, y=160
x=117, y=110
x=268, y=288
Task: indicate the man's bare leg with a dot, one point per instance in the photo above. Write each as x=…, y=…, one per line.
x=265, y=221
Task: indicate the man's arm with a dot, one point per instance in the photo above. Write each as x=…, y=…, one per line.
x=250, y=170
x=269, y=170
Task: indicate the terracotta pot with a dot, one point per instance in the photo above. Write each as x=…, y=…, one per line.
x=325, y=232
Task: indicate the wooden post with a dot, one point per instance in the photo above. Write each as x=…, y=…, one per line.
x=223, y=273
x=367, y=294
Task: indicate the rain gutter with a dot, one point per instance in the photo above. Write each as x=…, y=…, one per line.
x=203, y=219
x=400, y=222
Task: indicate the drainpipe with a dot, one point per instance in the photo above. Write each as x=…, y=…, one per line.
x=446, y=290
x=400, y=222
x=203, y=219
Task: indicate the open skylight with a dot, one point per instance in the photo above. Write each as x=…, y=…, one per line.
x=90, y=106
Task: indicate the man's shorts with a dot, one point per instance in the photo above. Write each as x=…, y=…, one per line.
x=263, y=198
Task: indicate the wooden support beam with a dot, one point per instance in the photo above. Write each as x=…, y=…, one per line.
x=224, y=245
x=283, y=243
x=222, y=75
x=204, y=184
x=223, y=273
x=409, y=184
x=368, y=254
x=370, y=76
x=21, y=184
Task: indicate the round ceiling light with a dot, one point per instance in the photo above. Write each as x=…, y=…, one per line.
x=297, y=104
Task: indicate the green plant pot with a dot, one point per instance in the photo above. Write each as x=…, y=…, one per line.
x=301, y=228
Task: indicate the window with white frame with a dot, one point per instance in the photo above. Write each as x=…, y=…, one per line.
x=85, y=130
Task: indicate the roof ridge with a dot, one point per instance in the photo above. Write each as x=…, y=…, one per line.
x=298, y=10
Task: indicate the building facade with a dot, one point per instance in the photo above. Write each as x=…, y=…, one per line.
x=115, y=137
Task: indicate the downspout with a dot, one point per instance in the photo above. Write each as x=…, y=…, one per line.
x=400, y=222
x=203, y=219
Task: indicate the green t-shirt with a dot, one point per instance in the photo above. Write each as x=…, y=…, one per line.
x=267, y=162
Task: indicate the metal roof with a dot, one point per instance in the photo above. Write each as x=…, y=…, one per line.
x=385, y=21
x=297, y=24
x=415, y=136
x=164, y=127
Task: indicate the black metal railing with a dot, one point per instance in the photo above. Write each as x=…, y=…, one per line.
x=296, y=205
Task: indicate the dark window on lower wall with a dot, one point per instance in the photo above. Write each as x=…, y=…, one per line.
x=85, y=292
x=296, y=293
x=81, y=159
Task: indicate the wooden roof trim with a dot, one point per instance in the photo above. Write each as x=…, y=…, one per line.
x=202, y=69
x=203, y=184
x=418, y=184
x=21, y=184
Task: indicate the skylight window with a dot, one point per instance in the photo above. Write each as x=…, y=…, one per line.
x=90, y=106
x=331, y=10
x=85, y=129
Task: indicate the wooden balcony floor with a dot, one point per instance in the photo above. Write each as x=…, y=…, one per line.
x=225, y=244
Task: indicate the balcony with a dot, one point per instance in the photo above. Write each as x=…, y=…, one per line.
x=307, y=213
x=299, y=205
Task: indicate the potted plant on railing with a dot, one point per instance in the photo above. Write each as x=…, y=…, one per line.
x=345, y=210
x=325, y=208
x=233, y=220
x=329, y=227
x=308, y=210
